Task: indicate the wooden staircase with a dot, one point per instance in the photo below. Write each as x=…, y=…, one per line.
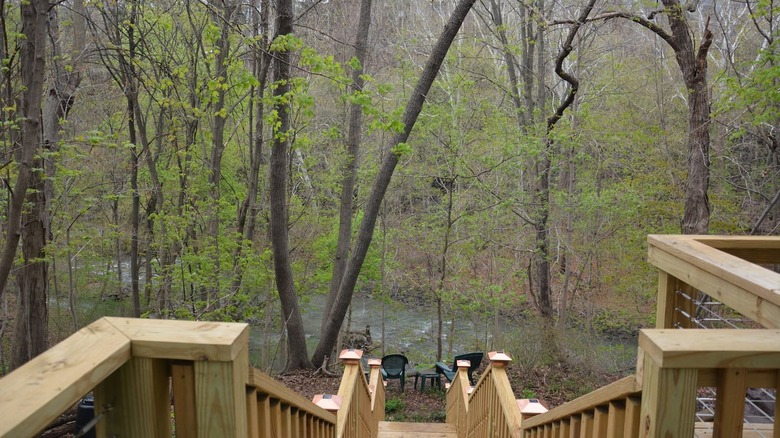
x=388, y=429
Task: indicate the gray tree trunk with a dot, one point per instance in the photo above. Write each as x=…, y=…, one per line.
x=297, y=354
x=382, y=180
x=31, y=333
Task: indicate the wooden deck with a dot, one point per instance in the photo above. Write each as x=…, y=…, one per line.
x=389, y=429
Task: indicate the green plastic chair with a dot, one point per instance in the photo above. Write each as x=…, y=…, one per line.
x=394, y=367
x=449, y=372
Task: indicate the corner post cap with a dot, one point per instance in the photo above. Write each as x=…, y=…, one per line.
x=329, y=402
x=463, y=364
x=499, y=358
x=375, y=363
x=351, y=356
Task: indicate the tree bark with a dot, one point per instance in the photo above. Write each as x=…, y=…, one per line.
x=31, y=333
x=382, y=180
x=349, y=173
x=297, y=355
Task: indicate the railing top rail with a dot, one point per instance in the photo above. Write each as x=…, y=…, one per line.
x=707, y=263
x=36, y=393
x=268, y=385
x=620, y=389
x=723, y=348
x=185, y=340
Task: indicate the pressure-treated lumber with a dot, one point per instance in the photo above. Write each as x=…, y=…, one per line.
x=618, y=390
x=185, y=340
x=668, y=400
x=134, y=400
x=750, y=289
x=722, y=348
x=36, y=393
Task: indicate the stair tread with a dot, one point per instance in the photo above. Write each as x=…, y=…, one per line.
x=391, y=429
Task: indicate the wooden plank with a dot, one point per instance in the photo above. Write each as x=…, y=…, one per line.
x=668, y=401
x=264, y=415
x=753, y=430
x=565, y=429
x=252, y=413
x=617, y=390
x=139, y=399
x=586, y=424
x=617, y=419
x=36, y=393
x=220, y=397
x=575, y=423
x=755, y=378
x=750, y=289
x=776, y=433
x=275, y=410
x=185, y=340
x=722, y=348
x=730, y=403
x=632, y=422
x=183, y=383
x=755, y=249
x=600, y=421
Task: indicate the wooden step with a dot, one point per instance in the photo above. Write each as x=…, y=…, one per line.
x=390, y=429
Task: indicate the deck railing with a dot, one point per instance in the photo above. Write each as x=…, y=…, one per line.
x=692, y=269
x=362, y=402
x=610, y=411
x=135, y=367
x=487, y=410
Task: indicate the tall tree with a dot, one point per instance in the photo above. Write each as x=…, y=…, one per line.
x=382, y=180
x=297, y=354
x=349, y=173
x=31, y=333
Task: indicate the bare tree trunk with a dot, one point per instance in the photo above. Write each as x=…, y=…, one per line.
x=297, y=355
x=349, y=173
x=31, y=333
x=247, y=214
x=382, y=180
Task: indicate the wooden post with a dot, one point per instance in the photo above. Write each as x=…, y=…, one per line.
x=668, y=400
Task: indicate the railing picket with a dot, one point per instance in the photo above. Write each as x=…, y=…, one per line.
x=565, y=430
x=730, y=402
x=252, y=421
x=632, y=423
x=586, y=424
x=616, y=419
x=575, y=423
x=776, y=433
x=600, y=420
x=183, y=383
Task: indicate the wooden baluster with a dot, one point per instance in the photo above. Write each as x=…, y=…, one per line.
x=617, y=418
x=586, y=424
x=183, y=383
x=730, y=403
x=575, y=423
x=252, y=414
x=777, y=407
x=633, y=414
x=600, y=420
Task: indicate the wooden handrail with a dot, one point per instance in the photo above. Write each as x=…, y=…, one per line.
x=707, y=263
x=672, y=362
x=360, y=412
x=615, y=391
x=131, y=366
x=458, y=399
